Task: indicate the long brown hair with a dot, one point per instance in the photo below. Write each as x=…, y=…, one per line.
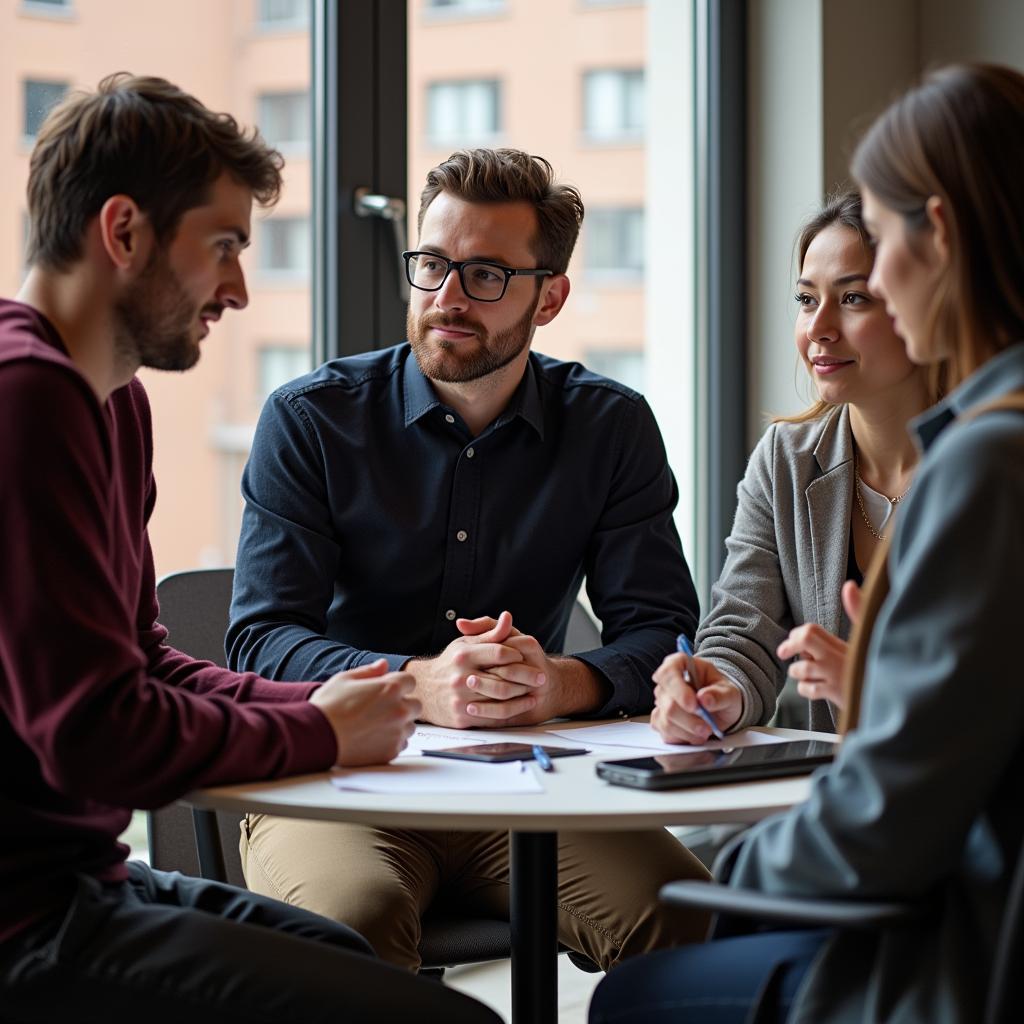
x=140, y=137
x=509, y=176
x=959, y=135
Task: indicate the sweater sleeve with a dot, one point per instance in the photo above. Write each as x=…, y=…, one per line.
x=111, y=713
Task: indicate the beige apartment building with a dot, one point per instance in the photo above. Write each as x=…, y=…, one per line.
x=563, y=78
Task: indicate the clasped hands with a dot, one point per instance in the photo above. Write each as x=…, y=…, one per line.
x=491, y=675
x=818, y=671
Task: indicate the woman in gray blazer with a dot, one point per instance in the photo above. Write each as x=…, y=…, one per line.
x=923, y=801
x=816, y=499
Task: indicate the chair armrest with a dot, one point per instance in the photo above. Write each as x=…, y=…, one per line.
x=789, y=910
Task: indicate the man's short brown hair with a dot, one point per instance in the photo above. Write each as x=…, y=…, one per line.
x=511, y=176
x=140, y=137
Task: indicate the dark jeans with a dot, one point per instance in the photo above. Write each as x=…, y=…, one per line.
x=163, y=947
x=721, y=982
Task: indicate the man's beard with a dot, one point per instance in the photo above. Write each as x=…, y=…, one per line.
x=155, y=321
x=441, y=360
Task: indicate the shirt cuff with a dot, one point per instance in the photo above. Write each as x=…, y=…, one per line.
x=630, y=694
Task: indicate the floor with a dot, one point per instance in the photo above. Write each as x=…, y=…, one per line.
x=491, y=984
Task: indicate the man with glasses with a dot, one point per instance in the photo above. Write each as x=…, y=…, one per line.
x=439, y=504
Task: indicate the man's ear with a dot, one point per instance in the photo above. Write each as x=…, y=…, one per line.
x=556, y=291
x=937, y=215
x=125, y=233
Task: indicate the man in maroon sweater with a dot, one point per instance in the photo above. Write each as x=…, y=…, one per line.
x=140, y=202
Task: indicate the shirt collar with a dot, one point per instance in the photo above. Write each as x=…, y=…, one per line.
x=420, y=397
x=999, y=376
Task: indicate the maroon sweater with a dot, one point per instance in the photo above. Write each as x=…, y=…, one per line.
x=97, y=714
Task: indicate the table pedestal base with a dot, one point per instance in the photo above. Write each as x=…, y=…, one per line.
x=533, y=858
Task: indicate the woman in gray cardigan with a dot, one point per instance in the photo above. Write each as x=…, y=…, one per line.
x=815, y=501
x=923, y=801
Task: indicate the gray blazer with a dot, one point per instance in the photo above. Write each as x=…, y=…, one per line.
x=924, y=797
x=786, y=560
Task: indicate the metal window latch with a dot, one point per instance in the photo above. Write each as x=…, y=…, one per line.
x=390, y=208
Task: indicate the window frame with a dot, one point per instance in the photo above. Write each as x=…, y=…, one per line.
x=359, y=94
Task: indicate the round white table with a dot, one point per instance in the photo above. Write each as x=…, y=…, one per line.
x=574, y=798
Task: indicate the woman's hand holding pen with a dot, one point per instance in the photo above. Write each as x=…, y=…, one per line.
x=675, y=714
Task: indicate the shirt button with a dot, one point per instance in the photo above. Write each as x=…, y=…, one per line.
x=450, y=614
x=462, y=535
x=470, y=453
x=449, y=418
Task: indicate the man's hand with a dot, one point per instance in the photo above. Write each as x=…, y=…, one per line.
x=464, y=678
x=675, y=715
x=819, y=672
x=562, y=686
x=371, y=710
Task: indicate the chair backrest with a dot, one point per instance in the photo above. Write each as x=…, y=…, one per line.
x=582, y=633
x=194, y=611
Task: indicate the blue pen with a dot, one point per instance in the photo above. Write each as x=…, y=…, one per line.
x=540, y=755
x=683, y=646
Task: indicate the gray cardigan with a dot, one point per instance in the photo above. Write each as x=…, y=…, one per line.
x=924, y=798
x=786, y=559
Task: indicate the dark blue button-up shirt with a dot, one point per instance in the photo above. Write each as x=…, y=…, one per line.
x=373, y=519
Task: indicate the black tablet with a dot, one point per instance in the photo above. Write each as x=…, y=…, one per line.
x=713, y=767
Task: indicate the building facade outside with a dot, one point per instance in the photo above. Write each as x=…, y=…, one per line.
x=573, y=91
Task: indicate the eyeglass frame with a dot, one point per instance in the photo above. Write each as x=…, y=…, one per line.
x=459, y=265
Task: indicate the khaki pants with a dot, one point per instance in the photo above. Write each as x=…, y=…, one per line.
x=380, y=881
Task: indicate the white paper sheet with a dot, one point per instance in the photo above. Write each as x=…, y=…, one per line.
x=438, y=775
x=430, y=737
x=641, y=736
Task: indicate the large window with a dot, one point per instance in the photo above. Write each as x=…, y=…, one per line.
x=464, y=113
x=38, y=97
x=227, y=56
x=613, y=106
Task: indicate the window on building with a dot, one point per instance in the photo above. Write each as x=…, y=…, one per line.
x=39, y=98
x=58, y=7
x=279, y=364
x=463, y=113
x=283, y=117
x=276, y=14
x=621, y=364
x=613, y=105
x=614, y=243
x=285, y=246
x=464, y=6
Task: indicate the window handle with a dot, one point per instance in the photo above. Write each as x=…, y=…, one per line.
x=390, y=208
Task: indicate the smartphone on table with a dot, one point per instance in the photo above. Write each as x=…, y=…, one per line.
x=715, y=767
x=501, y=752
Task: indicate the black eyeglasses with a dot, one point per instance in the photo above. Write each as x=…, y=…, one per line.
x=480, y=279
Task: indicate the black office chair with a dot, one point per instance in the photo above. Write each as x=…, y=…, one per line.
x=737, y=911
x=194, y=610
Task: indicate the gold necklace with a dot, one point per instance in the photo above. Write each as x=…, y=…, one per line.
x=860, y=499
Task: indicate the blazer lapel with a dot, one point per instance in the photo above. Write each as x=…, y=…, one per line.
x=829, y=500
